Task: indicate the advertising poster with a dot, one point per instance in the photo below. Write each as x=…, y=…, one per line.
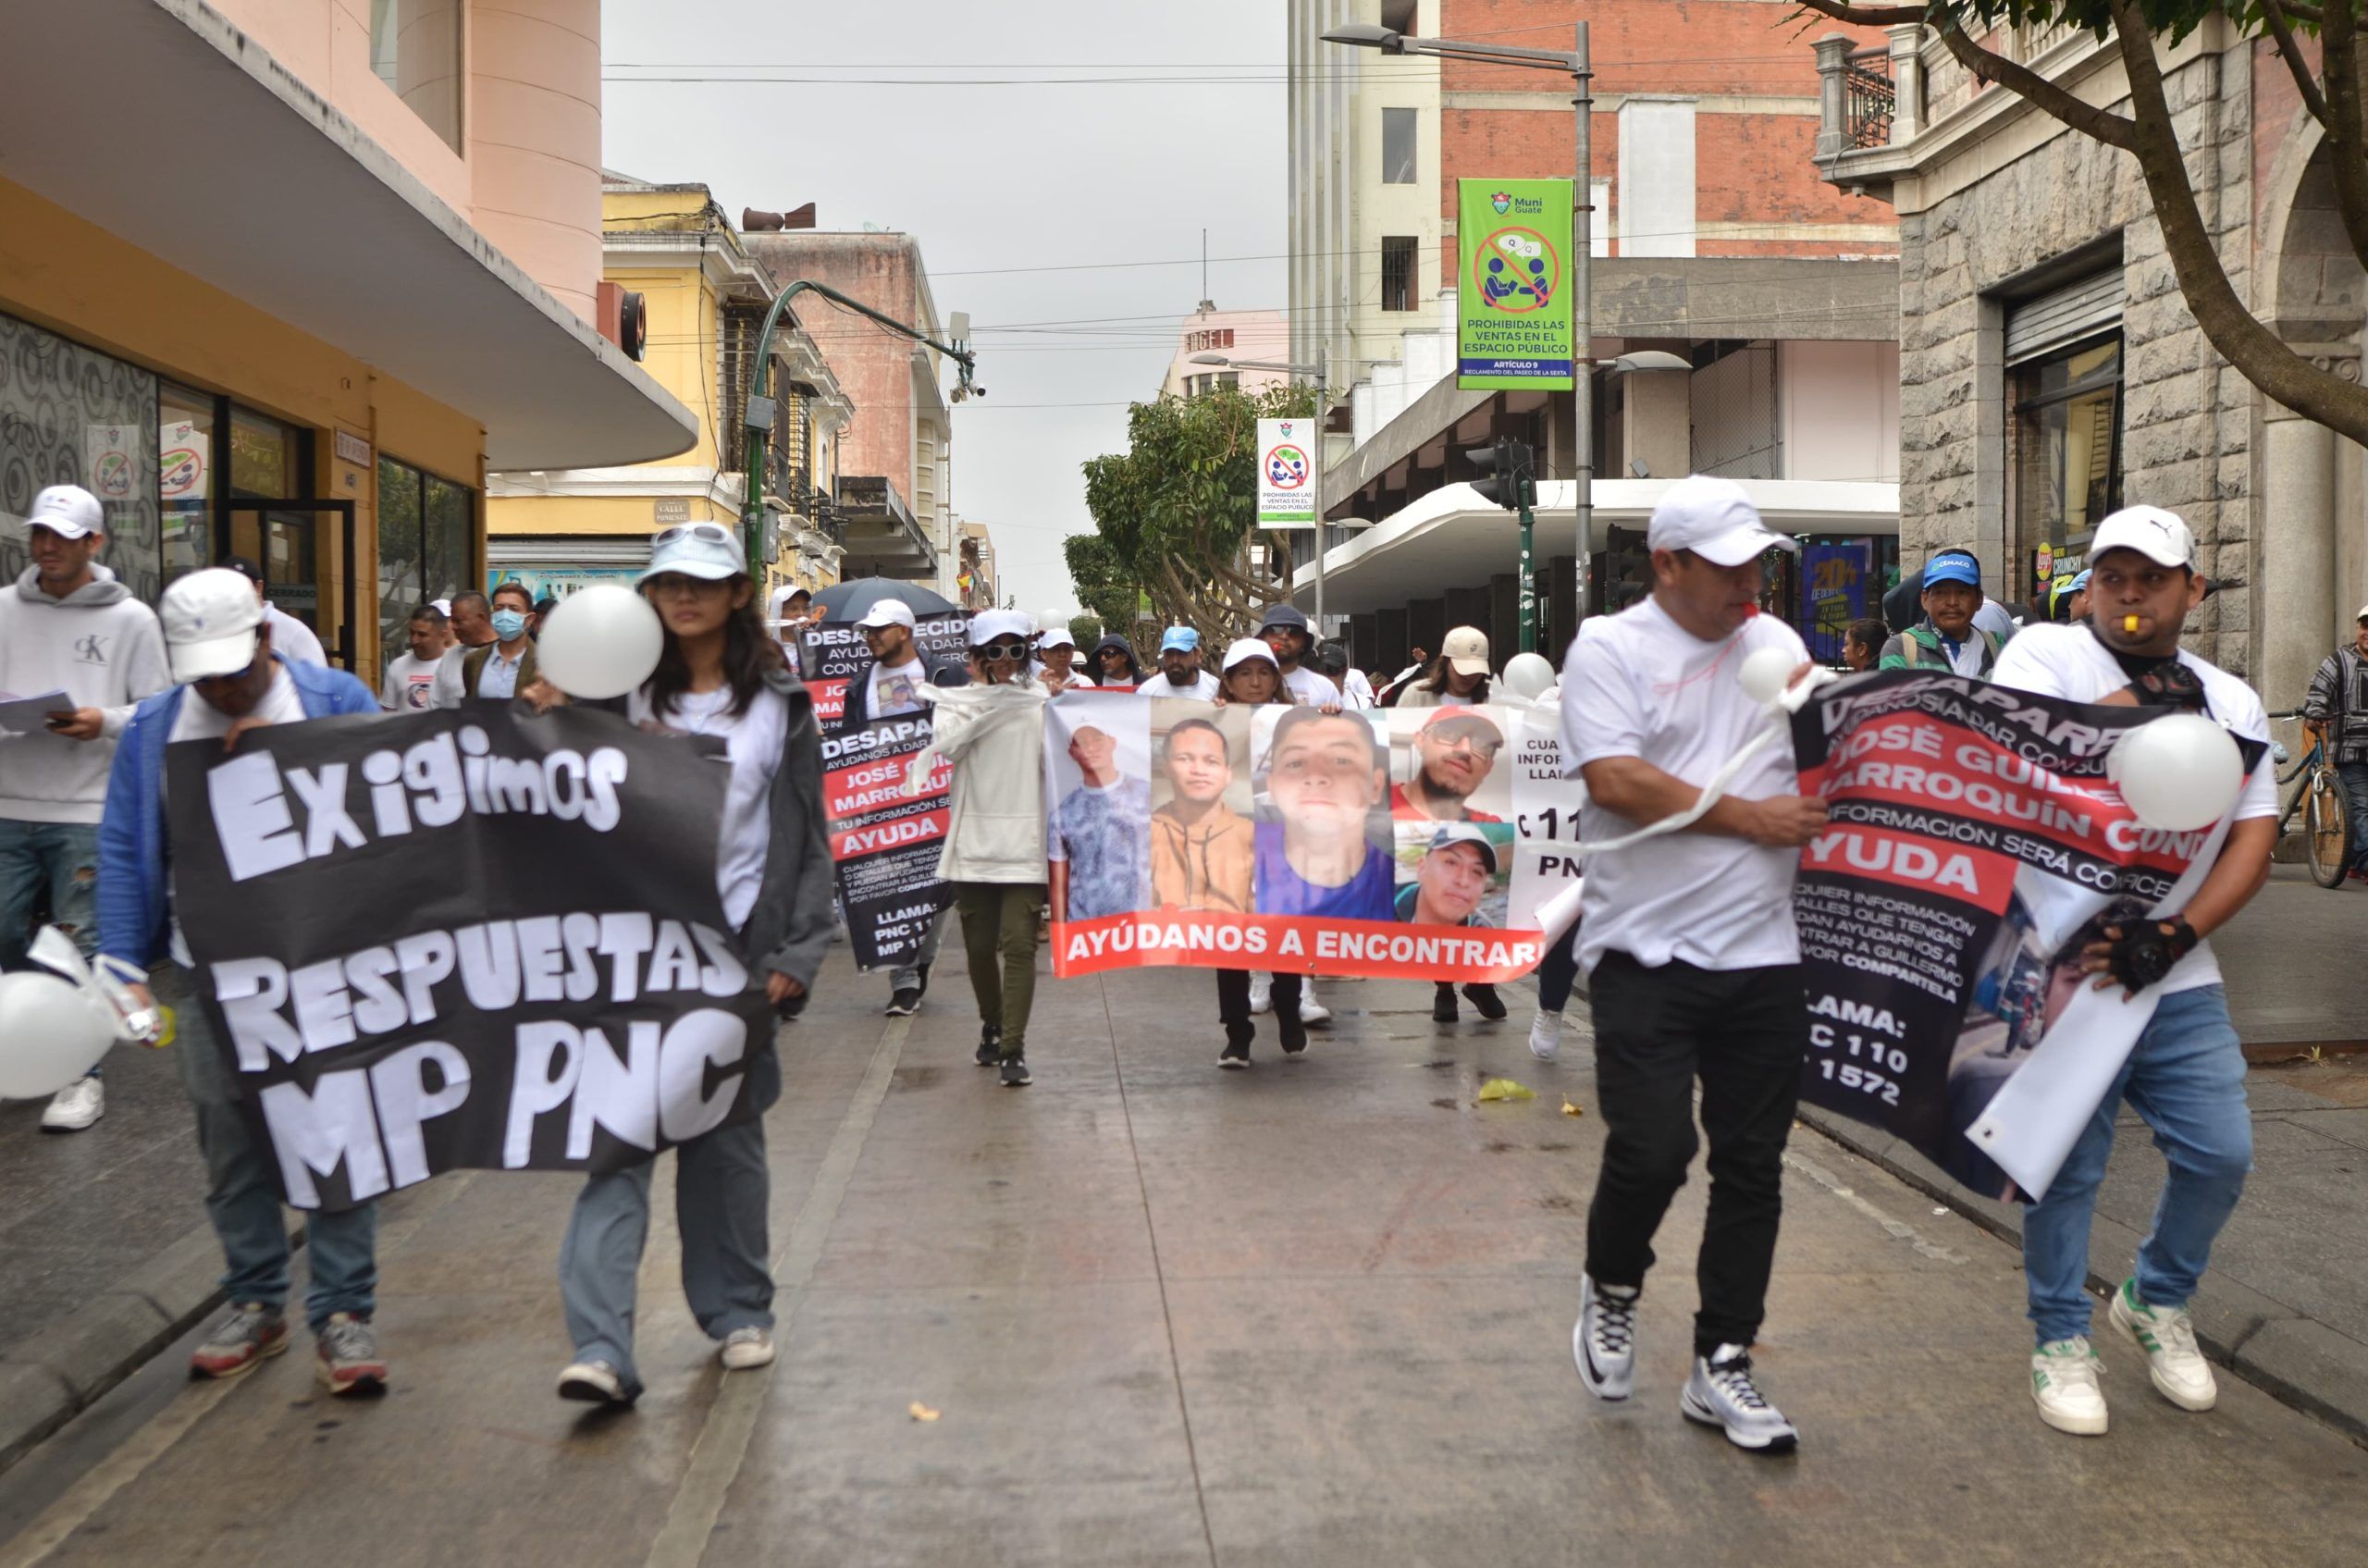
x=828, y=654
x=1512, y=296
x=885, y=843
x=1834, y=594
x=1411, y=843
x=1975, y=839
x=463, y=938
x=1286, y=473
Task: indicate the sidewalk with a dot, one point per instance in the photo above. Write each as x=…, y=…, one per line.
x=1317, y=1313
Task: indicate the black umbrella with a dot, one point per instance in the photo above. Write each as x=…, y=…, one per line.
x=848, y=601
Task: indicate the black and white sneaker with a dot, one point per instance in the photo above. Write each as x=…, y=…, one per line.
x=1014, y=1072
x=1721, y=1393
x=1603, y=1342
x=1235, y=1054
x=905, y=1003
x=990, y=1050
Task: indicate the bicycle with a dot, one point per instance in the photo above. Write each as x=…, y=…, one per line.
x=2325, y=806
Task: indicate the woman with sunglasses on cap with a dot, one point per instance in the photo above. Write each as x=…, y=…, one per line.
x=993, y=730
x=1251, y=679
x=719, y=674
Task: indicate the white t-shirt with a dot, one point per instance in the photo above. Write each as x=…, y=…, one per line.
x=753, y=741
x=1997, y=619
x=1312, y=689
x=291, y=639
x=895, y=691
x=1078, y=677
x=1639, y=684
x=410, y=686
x=1203, y=685
x=2068, y=661
x=1356, y=690
x=200, y=720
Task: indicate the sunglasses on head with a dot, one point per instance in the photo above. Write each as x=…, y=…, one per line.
x=712, y=533
x=1004, y=648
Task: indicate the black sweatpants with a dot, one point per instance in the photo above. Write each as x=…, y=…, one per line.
x=1743, y=1033
x=1233, y=996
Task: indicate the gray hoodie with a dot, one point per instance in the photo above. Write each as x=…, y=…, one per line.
x=103, y=648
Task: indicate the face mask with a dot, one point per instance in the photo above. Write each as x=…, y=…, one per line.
x=508, y=624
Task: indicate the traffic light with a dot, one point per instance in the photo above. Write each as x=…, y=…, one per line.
x=1509, y=475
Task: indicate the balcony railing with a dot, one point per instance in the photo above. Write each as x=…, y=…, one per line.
x=1869, y=98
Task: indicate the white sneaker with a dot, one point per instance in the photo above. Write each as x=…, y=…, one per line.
x=2064, y=1382
x=1546, y=1035
x=745, y=1350
x=1261, y=993
x=2168, y=1336
x=1310, y=1010
x=75, y=1106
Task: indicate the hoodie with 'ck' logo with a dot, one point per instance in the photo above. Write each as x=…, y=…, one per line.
x=103, y=648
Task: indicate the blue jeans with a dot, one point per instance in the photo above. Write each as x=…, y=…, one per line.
x=242, y=1195
x=2355, y=785
x=2186, y=1079
x=61, y=858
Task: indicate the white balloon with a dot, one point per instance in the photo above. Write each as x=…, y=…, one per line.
x=2179, y=772
x=1527, y=676
x=51, y=1034
x=601, y=642
x=1766, y=674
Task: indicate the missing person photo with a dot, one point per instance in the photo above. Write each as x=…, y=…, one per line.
x=1201, y=828
x=1323, y=840
x=1444, y=762
x=1099, y=832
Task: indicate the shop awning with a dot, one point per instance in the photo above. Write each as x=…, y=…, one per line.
x=160, y=122
x=1452, y=539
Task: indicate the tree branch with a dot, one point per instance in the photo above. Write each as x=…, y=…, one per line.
x=2036, y=90
x=2347, y=130
x=2273, y=16
x=1863, y=16
x=2256, y=352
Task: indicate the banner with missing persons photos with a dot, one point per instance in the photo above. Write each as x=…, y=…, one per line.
x=1974, y=839
x=1401, y=843
x=463, y=939
x=831, y=653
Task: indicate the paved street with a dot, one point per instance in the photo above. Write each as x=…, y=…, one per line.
x=1314, y=1312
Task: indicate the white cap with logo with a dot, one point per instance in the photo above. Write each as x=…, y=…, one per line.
x=1715, y=519
x=2157, y=535
x=210, y=618
x=67, y=511
x=889, y=613
x=1466, y=651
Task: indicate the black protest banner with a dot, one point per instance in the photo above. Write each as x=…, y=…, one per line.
x=831, y=653
x=463, y=939
x=885, y=843
x=1973, y=837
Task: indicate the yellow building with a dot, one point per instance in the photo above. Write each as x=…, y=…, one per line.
x=702, y=298
x=299, y=274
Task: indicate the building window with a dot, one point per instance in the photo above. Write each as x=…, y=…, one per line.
x=1198, y=386
x=2067, y=458
x=415, y=49
x=1397, y=146
x=425, y=524
x=72, y=416
x=1398, y=272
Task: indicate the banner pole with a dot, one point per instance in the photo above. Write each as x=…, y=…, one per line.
x=1583, y=324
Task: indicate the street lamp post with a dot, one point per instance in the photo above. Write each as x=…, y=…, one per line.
x=1321, y=370
x=758, y=414
x=1575, y=63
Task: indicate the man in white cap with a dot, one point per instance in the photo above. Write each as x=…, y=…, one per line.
x=1057, y=668
x=2185, y=1076
x=2337, y=713
x=889, y=687
x=1179, y=668
x=231, y=682
x=790, y=609
x=1690, y=939
x=74, y=632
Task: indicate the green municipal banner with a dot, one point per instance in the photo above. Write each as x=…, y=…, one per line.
x=1513, y=241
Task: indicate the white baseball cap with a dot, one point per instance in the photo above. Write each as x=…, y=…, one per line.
x=707, y=550
x=889, y=613
x=2157, y=535
x=1466, y=651
x=210, y=621
x=989, y=625
x=2364, y=612
x=69, y=511
x=1713, y=518
x=1245, y=649
x=1056, y=636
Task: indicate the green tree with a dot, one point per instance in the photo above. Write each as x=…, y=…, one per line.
x=2320, y=46
x=1173, y=512
x=1085, y=629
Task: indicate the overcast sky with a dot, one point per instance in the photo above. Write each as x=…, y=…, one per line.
x=1002, y=184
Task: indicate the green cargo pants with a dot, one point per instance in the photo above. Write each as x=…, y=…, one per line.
x=999, y=933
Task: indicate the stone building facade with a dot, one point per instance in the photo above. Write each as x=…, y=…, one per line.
x=2050, y=368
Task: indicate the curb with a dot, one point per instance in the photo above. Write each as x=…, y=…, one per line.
x=2293, y=1358
x=54, y=1373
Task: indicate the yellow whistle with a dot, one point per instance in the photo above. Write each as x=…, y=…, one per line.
x=2130, y=624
